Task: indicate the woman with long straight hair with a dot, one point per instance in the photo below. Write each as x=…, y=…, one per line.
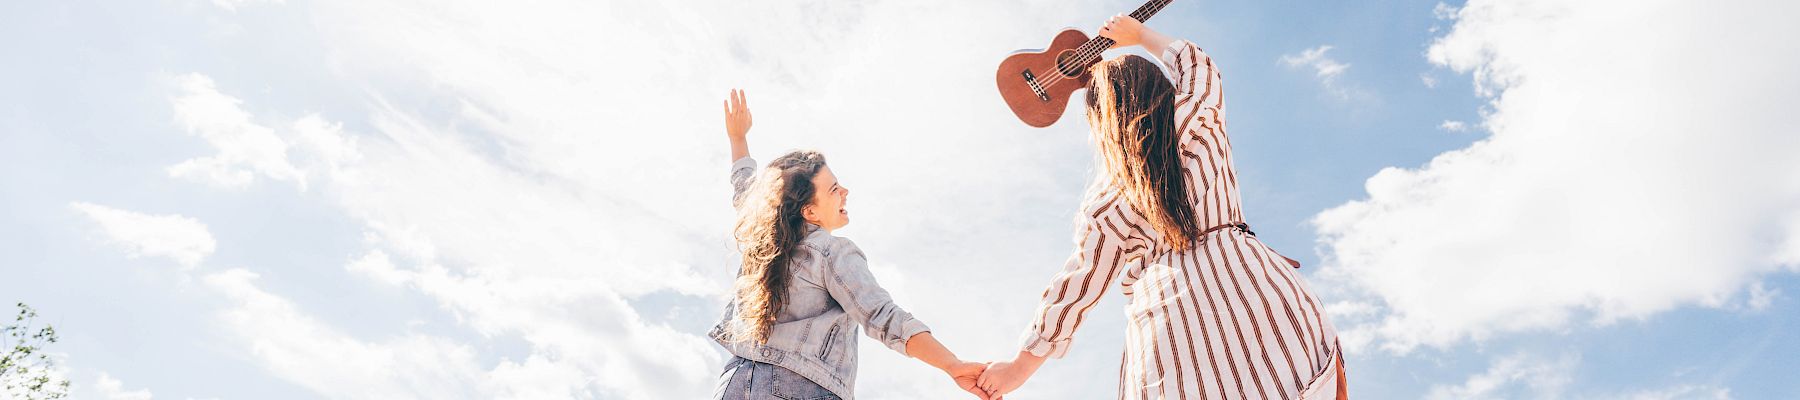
x=801, y=292
x=1213, y=313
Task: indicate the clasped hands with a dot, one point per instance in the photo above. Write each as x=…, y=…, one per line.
x=992, y=381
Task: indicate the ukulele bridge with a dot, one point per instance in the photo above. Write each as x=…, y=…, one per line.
x=1031, y=80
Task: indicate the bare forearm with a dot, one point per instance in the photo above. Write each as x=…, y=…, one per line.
x=740, y=148
x=1028, y=362
x=1155, y=42
x=926, y=348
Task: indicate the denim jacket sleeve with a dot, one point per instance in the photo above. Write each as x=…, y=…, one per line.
x=848, y=280
x=743, y=173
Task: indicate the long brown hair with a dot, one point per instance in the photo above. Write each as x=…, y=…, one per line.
x=1131, y=107
x=769, y=227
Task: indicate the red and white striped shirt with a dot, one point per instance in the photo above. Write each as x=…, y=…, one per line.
x=1226, y=318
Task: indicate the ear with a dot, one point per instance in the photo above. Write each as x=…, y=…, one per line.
x=807, y=214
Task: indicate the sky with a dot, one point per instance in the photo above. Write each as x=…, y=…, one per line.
x=294, y=199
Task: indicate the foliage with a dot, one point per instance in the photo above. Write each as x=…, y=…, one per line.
x=26, y=371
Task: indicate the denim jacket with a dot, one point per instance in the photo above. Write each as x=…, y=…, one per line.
x=830, y=294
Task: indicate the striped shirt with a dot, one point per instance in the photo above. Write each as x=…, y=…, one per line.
x=1225, y=318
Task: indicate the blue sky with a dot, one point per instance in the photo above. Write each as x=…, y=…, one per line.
x=394, y=199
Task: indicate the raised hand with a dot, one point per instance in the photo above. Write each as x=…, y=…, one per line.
x=737, y=114
x=1123, y=30
x=737, y=123
x=966, y=374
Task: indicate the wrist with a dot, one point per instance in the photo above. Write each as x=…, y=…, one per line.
x=947, y=364
x=950, y=367
x=1028, y=360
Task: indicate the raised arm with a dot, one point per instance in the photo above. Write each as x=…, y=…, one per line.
x=1194, y=77
x=737, y=129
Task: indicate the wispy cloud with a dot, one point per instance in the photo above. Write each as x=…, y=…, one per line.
x=1327, y=70
x=1454, y=126
x=232, y=5
x=245, y=149
x=1515, y=376
x=182, y=239
x=110, y=388
x=1533, y=376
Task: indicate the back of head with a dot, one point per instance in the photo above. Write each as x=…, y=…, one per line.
x=769, y=228
x=1131, y=109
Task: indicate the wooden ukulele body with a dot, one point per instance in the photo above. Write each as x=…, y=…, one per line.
x=1035, y=87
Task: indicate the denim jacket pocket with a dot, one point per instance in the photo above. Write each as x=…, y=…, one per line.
x=831, y=338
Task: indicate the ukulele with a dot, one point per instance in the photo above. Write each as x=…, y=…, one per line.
x=1037, y=84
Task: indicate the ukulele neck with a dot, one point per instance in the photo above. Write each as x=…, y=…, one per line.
x=1099, y=44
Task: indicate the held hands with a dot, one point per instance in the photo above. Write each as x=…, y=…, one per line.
x=966, y=374
x=1004, y=377
x=1123, y=30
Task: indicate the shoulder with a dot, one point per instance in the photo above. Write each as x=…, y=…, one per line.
x=823, y=255
x=830, y=248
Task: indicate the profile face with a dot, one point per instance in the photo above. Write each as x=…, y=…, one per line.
x=829, y=198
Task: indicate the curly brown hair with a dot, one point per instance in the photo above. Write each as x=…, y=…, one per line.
x=769, y=227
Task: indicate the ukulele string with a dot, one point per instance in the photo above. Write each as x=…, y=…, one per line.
x=1081, y=57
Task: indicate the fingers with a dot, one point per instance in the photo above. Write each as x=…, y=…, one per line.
x=978, y=393
x=731, y=103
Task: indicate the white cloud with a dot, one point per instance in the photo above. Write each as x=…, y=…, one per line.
x=1788, y=252
x=1516, y=376
x=412, y=188
x=1531, y=376
x=309, y=352
x=1444, y=12
x=232, y=5
x=179, y=238
x=1327, y=70
x=1631, y=169
x=1759, y=297
x=1684, y=391
x=245, y=148
x=1454, y=126
x=111, y=389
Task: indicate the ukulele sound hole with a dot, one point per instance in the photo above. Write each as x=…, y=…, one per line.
x=1068, y=65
